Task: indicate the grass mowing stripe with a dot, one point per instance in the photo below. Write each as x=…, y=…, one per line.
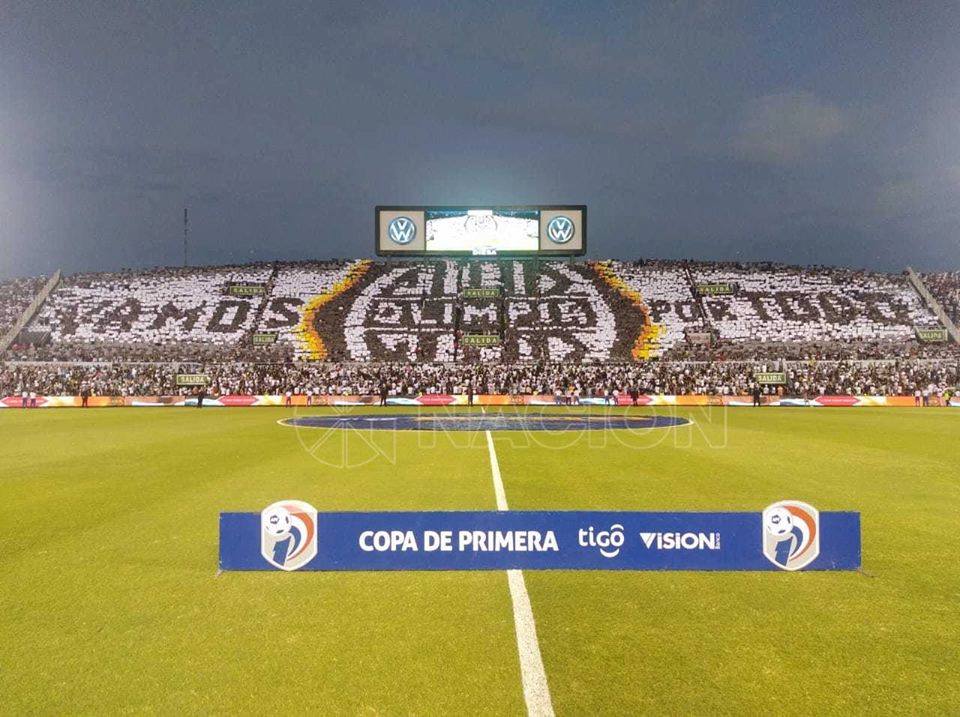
x=536, y=691
x=110, y=605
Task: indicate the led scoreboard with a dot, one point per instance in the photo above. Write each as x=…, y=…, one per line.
x=481, y=231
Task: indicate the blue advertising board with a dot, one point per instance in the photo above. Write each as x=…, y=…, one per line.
x=290, y=535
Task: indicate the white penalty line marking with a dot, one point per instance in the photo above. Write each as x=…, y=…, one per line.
x=536, y=691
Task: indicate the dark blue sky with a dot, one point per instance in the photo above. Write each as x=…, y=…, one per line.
x=797, y=131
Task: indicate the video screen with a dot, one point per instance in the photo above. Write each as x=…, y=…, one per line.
x=469, y=230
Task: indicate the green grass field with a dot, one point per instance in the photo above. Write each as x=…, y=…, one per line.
x=110, y=599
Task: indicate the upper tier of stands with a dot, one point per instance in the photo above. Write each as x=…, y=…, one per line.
x=15, y=296
x=792, y=304
x=945, y=287
x=559, y=311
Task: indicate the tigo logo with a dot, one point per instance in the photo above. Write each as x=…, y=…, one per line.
x=608, y=541
x=681, y=541
x=288, y=534
x=791, y=534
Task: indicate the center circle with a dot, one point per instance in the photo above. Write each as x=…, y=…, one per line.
x=486, y=422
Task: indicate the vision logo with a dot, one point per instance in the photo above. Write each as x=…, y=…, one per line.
x=288, y=534
x=560, y=230
x=402, y=230
x=791, y=534
x=681, y=541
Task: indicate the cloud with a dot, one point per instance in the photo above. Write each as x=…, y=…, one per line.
x=935, y=193
x=787, y=128
x=121, y=168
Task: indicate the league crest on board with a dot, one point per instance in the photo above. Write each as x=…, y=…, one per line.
x=288, y=534
x=791, y=534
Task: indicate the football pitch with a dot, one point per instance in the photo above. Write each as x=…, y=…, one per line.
x=111, y=599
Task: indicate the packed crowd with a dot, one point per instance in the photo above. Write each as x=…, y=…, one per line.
x=15, y=296
x=539, y=311
x=157, y=307
x=807, y=379
x=780, y=304
x=665, y=290
x=135, y=352
x=945, y=286
x=815, y=351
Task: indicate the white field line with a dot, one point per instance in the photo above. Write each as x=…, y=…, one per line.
x=536, y=691
x=495, y=472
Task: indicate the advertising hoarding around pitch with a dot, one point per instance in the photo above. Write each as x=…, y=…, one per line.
x=551, y=230
x=786, y=536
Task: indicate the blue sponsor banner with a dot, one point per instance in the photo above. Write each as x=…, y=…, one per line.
x=538, y=540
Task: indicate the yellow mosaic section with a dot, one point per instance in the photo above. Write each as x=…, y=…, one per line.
x=647, y=344
x=311, y=343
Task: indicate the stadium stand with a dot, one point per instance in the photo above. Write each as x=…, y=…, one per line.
x=667, y=299
x=15, y=297
x=576, y=381
x=484, y=312
x=576, y=318
x=945, y=287
x=780, y=304
x=427, y=312
x=299, y=289
x=143, y=314
x=402, y=312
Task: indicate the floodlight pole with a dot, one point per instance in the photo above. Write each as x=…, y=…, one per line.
x=186, y=231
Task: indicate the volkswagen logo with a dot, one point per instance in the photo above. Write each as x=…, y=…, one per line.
x=402, y=230
x=560, y=230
